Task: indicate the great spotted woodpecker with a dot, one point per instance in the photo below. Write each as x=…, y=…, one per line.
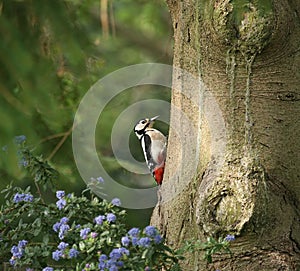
x=154, y=145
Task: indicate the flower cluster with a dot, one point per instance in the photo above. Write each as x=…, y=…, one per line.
x=61, y=203
x=64, y=252
x=153, y=233
x=116, y=202
x=99, y=219
x=19, y=197
x=229, y=238
x=20, y=139
x=84, y=232
x=64, y=239
x=17, y=251
x=61, y=227
x=23, y=162
x=110, y=217
x=114, y=261
x=135, y=237
x=97, y=180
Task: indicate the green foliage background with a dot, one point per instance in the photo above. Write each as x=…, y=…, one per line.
x=51, y=53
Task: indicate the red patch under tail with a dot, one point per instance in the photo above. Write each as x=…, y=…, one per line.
x=158, y=175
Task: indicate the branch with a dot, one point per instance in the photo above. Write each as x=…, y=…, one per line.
x=60, y=143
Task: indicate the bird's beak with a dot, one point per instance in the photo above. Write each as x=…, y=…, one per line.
x=153, y=119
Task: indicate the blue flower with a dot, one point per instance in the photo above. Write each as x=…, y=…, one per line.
x=115, y=254
x=144, y=242
x=100, y=179
x=229, y=238
x=102, y=261
x=57, y=254
x=12, y=261
x=48, y=269
x=147, y=268
x=61, y=204
x=62, y=245
x=125, y=241
x=134, y=241
x=64, y=220
x=102, y=257
x=116, y=202
x=56, y=226
x=134, y=232
x=157, y=239
x=61, y=235
x=111, y=264
x=17, y=252
x=14, y=250
x=113, y=268
x=73, y=253
x=61, y=225
x=63, y=229
x=119, y=263
x=20, y=139
x=23, y=162
x=99, y=219
x=124, y=250
x=84, y=233
x=101, y=266
x=151, y=231
x=18, y=197
x=22, y=243
x=60, y=194
x=110, y=217
x=28, y=197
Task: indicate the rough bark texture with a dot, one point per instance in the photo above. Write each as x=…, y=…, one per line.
x=246, y=55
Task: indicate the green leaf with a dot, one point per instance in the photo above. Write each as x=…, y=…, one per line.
x=105, y=233
x=208, y=258
x=81, y=245
x=145, y=254
x=90, y=249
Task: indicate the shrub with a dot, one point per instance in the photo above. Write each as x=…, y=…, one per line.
x=73, y=232
x=80, y=232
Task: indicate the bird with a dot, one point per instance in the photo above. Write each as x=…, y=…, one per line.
x=154, y=145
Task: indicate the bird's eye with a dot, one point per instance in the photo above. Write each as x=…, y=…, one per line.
x=143, y=121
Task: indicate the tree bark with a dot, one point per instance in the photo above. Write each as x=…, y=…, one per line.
x=239, y=128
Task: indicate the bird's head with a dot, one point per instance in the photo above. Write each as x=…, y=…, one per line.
x=142, y=125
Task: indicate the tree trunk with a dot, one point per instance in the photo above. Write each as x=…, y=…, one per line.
x=233, y=162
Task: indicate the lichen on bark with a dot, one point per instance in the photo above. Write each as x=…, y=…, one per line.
x=232, y=199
